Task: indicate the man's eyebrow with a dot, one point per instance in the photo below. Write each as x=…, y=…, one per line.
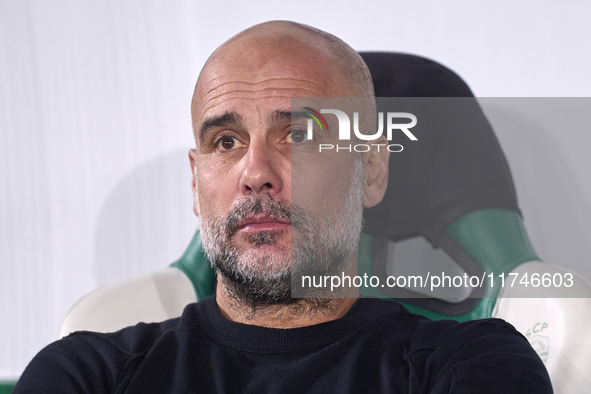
x=287, y=115
x=227, y=119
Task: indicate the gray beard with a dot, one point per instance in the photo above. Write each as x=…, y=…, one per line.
x=318, y=247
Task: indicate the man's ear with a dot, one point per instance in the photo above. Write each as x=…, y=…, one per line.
x=375, y=171
x=193, y=161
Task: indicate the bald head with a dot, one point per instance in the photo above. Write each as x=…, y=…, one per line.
x=282, y=49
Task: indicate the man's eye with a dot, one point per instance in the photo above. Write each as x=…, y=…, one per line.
x=227, y=142
x=296, y=136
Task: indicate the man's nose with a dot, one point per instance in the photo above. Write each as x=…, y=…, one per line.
x=263, y=170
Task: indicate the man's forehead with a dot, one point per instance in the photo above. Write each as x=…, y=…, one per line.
x=247, y=65
x=312, y=75
x=258, y=97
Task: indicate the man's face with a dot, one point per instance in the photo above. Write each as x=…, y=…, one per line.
x=257, y=191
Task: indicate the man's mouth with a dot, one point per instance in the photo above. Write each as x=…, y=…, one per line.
x=254, y=224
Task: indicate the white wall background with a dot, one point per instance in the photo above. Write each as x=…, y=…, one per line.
x=95, y=126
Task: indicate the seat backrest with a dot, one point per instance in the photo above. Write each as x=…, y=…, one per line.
x=453, y=188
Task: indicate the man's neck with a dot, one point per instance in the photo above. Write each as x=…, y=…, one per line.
x=306, y=312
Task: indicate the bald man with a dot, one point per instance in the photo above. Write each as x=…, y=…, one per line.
x=264, y=198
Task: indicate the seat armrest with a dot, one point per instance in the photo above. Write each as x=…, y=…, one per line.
x=555, y=323
x=155, y=297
